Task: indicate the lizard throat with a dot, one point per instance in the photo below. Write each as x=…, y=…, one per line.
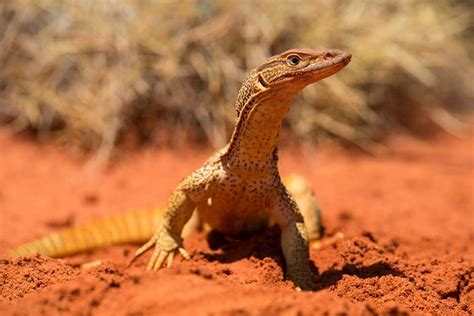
x=256, y=134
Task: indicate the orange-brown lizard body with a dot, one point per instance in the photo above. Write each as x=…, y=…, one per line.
x=239, y=189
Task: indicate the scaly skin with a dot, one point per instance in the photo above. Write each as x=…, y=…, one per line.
x=239, y=190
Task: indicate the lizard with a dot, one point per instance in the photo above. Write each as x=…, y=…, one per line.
x=138, y=225
x=239, y=189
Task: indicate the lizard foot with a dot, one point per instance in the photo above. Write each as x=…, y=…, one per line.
x=166, y=247
x=302, y=280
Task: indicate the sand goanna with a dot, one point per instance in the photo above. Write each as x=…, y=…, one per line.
x=239, y=189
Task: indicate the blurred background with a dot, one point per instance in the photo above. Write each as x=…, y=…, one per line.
x=98, y=75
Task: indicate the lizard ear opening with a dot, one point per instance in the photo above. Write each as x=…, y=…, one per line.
x=262, y=81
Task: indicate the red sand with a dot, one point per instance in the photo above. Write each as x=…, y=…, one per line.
x=407, y=220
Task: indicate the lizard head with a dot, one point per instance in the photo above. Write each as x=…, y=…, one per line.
x=286, y=74
x=265, y=96
x=297, y=68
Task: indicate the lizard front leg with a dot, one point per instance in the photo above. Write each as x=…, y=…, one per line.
x=167, y=239
x=294, y=238
x=305, y=198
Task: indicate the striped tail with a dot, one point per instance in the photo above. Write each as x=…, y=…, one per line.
x=132, y=227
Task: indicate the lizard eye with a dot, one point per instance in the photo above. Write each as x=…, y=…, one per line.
x=293, y=60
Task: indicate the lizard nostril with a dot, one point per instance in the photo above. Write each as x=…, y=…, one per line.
x=328, y=54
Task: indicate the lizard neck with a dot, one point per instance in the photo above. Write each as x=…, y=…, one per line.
x=255, y=138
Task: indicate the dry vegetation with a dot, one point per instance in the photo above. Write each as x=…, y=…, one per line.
x=94, y=71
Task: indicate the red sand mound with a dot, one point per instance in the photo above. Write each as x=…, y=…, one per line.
x=406, y=245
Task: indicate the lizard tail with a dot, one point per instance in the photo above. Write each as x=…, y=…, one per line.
x=132, y=227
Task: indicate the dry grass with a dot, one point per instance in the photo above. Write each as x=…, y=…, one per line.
x=93, y=70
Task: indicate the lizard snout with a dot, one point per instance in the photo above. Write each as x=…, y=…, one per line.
x=337, y=53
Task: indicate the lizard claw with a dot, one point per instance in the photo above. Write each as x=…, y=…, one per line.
x=160, y=255
x=166, y=248
x=140, y=251
x=184, y=253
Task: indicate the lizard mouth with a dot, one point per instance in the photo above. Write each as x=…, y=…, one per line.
x=334, y=60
